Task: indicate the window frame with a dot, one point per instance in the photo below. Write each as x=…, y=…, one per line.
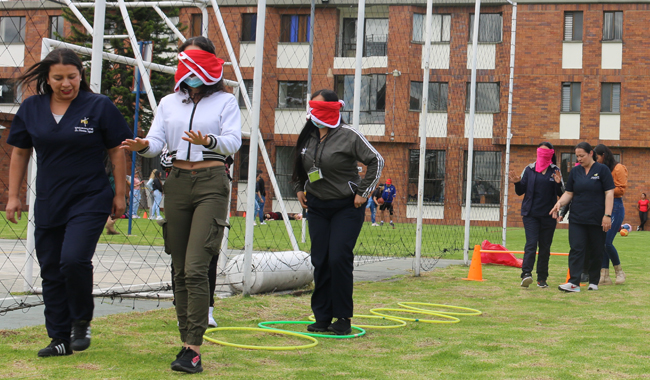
x=478, y=92
x=302, y=106
x=243, y=161
x=572, y=89
x=59, y=26
x=349, y=44
x=430, y=108
x=475, y=172
x=284, y=29
x=438, y=180
x=193, y=22
x=442, y=16
x=375, y=114
x=286, y=190
x=248, y=83
x=15, y=90
x=471, y=28
x=573, y=15
x=615, y=16
x=248, y=35
x=20, y=31
x=610, y=87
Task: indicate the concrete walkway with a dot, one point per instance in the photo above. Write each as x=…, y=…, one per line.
x=33, y=316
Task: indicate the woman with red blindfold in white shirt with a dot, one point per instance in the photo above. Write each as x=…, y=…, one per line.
x=327, y=182
x=200, y=124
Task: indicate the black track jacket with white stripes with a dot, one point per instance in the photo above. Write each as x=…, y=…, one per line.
x=337, y=156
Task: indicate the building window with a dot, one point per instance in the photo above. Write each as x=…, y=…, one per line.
x=12, y=30
x=196, y=25
x=292, y=94
x=610, y=98
x=437, y=97
x=613, y=26
x=487, y=97
x=248, y=27
x=373, y=98
x=573, y=26
x=56, y=27
x=568, y=161
x=294, y=28
x=489, y=27
x=243, y=162
x=9, y=93
x=434, y=176
x=284, y=159
x=248, y=83
x=486, y=178
x=440, y=28
x=375, y=42
x=571, y=97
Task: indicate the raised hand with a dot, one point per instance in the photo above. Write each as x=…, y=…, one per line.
x=557, y=176
x=513, y=177
x=135, y=145
x=196, y=138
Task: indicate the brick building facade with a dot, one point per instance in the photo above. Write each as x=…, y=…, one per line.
x=580, y=74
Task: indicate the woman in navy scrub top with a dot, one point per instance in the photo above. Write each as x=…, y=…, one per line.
x=590, y=189
x=71, y=130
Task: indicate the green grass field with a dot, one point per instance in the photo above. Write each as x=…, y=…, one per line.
x=523, y=333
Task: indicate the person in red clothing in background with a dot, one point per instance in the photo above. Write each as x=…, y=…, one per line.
x=642, y=206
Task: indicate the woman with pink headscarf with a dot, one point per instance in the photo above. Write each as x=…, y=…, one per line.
x=541, y=184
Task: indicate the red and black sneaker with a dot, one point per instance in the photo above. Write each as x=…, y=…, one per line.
x=187, y=361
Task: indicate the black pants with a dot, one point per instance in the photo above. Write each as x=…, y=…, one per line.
x=643, y=216
x=334, y=227
x=65, y=255
x=587, y=243
x=212, y=278
x=539, y=232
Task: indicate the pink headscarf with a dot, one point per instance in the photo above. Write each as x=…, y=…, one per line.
x=544, y=159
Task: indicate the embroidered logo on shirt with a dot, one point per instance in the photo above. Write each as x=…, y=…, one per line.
x=83, y=128
x=304, y=150
x=595, y=176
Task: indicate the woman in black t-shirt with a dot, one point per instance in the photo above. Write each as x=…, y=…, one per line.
x=590, y=189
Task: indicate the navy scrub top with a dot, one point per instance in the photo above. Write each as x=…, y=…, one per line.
x=71, y=178
x=588, y=203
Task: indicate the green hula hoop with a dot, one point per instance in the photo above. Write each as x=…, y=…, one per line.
x=264, y=325
x=401, y=322
x=313, y=343
x=449, y=318
x=469, y=310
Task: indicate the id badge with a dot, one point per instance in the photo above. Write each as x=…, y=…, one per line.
x=314, y=175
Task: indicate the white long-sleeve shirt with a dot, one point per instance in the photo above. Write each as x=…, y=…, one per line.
x=216, y=116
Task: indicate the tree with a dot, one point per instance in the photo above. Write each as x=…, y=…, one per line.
x=118, y=79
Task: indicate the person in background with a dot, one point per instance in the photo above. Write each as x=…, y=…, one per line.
x=137, y=183
x=642, y=206
x=619, y=173
x=325, y=178
x=278, y=216
x=71, y=129
x=156, y=187
x=541, y=184
x=260, y=196
x=590, y=189
x=200, y=123
x=388, y=195
x=373, y=204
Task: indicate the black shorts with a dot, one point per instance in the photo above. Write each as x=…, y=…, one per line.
x=387, y=206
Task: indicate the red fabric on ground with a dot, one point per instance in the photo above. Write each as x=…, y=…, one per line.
x=504, y=258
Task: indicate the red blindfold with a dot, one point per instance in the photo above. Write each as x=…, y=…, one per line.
x=200, y=63
x=325, y=113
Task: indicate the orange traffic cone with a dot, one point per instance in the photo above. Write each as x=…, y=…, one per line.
x=244, y=214
x=568, y=275
x=475, y=269
x=145, y=215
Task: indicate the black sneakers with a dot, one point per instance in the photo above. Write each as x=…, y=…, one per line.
x=542, y=284
x=319, y=326
x=80, y=337
x=187, y=361
x=342, y=326
x=57, y=347
x=526, y=280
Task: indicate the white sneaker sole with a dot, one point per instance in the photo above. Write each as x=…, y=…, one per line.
x=526, y=282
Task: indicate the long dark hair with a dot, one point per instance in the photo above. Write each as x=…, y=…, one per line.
x=40, y=71
x=587, y=148
x=299, y=173
x=549, y=146
x=205, y=45
x=608, y=156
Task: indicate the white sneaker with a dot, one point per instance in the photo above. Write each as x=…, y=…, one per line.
x=526, y=281
x=264, y=223
x=375, y=225
x=254, y=223
x=592, y=287
x=159, y=217
x=569, y=287
x=211, y=321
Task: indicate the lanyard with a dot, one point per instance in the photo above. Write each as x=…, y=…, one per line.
x=320, y=159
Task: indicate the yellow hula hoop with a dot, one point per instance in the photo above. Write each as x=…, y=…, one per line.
x=469, y=310
x=392, y=319
x=271, y=348
x=449, y=318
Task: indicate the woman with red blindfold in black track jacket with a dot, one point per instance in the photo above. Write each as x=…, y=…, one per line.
x=327, y=182
x=200, y=123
